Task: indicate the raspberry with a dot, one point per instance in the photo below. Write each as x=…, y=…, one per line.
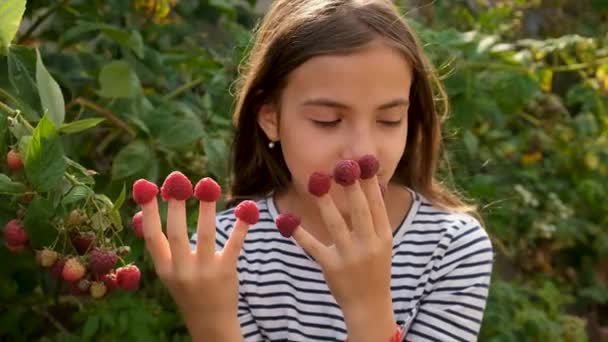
x=207, y=190
x=98, y=289
x=48, y=257
x=369, y=166
x=123, y=251
x=287, y=223
x=82, y=241
x=127, y=277
x=14, y=234
x=102, y=261
x=138, y=224
x=109, y=280
x=75, y=218
x=319, y=183
x=347, y=172
x=14, y=249
x=13, y=160
x=73, y=270
x=57, y=269
x=80, y=287
x=176, y=186
x=248, y=212
x=144, y=191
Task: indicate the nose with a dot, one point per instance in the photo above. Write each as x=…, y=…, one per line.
x=358, y=142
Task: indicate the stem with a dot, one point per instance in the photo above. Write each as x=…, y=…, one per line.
x=109, y=115
x=579, y=66
x=44, y=313
x=7, y=109
x=183, y=88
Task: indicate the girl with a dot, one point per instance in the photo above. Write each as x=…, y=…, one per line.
x=331, y=80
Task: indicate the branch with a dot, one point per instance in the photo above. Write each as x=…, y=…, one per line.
x=109, y=115
x=39, y=21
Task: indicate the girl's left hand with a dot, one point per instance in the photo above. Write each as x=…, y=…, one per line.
x=357, y=267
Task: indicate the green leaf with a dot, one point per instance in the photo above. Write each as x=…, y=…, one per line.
x=8, y=186
x=50, y=93
x=118, y=80
x=44, y=159
x=21, y=68
x=180, y=130
x=121, y=198
x=37, y=222
x=216, y=151
x=133, y=159
x=11, y=12
x=80, y=125
x=78, y=193
x=90, y=327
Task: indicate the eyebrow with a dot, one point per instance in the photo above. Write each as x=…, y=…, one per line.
x=335, y=104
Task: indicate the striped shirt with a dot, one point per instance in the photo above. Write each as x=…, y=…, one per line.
x=441, y=269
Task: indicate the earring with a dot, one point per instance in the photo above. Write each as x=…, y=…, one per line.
x=271, y=144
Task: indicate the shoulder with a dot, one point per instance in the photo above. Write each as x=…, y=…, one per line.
x=458, y=232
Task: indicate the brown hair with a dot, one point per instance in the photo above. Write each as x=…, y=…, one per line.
x=294, y=31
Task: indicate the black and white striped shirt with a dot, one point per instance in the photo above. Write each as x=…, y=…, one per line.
x=441, y=269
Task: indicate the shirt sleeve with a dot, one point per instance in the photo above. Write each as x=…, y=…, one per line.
x=454, y=299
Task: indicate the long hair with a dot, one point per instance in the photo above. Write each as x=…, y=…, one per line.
x=292, y=32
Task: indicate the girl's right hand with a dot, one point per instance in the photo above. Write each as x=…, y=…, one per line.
x=203, y=282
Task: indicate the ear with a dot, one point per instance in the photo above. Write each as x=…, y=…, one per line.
x=268, y=119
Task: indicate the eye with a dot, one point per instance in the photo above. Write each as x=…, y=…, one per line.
x=391, y=123
x=326, y=123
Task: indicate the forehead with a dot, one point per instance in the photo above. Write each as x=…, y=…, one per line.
x=375, y=72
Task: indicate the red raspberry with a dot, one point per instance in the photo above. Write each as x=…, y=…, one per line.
x=57, y=269
x=287, y=223
x=13, y=160
x=73, y=270
x=176, y=186
x=138, y=224
x=82, y=241
x=319, y=183
x=15, y=237
x=98, y=289
x=127, y=277
x=102, y=261
x=347, y=172
x=207, y=190
x=144, y=191
x=14, y=249
x=248, y=212
x=110, y=281
x=369, y=166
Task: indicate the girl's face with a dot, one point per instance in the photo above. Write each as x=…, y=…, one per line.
x=342, y=107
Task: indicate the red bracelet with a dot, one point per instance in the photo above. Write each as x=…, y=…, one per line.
x=395, y=338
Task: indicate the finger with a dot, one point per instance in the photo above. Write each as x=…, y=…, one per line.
x=310, y=244
x=205, y=230
x=233, y=246
x=334, y=222
x=156, y=242
x=360, y=215
x=177, y=232
x=373, y=193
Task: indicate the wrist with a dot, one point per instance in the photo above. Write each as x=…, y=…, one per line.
x=370, y=323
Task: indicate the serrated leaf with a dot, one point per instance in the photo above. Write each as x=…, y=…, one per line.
x=80, y=125
x=11, y=12
x=44, y=159
x=51, y=97
x=37, y=222
x=77, y=193
x=21, y=71
x=118, y=80
x=8, y=186
x=134, y=159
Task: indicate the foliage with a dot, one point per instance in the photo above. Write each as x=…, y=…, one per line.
x=138, y=89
